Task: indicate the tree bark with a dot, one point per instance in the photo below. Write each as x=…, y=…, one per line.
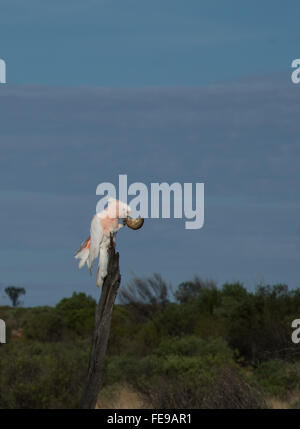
x=103, y=316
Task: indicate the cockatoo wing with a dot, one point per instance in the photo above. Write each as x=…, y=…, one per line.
x=83, y=253
x=96, y=239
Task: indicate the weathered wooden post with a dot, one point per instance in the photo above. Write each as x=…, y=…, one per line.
x=103, y=316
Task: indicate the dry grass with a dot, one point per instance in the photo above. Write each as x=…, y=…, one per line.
x=120, y=397
x=277, y=404
x=292, y=402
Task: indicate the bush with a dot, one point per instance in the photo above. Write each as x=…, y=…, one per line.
x=278, y=378
x=78, y=313
x=71, y=318
x=43, y=324
x=211, y=348
x=186, y=373
x=38, y=375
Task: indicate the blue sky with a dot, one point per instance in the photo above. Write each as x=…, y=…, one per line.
x=139, y=42
x=161, y=92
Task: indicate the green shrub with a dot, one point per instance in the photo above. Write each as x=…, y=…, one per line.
x=39, y=375
x=78, y=313
x=43, y=324
x=186, y=373
x=278, y=377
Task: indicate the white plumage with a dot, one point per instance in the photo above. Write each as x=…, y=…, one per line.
x=96, y=246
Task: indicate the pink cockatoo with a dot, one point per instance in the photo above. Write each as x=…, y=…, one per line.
x=103, y=225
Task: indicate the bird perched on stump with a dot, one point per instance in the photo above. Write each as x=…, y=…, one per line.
x=103, y=225
x=96, y=246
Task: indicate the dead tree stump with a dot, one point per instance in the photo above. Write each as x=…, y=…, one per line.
x=103, y=316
